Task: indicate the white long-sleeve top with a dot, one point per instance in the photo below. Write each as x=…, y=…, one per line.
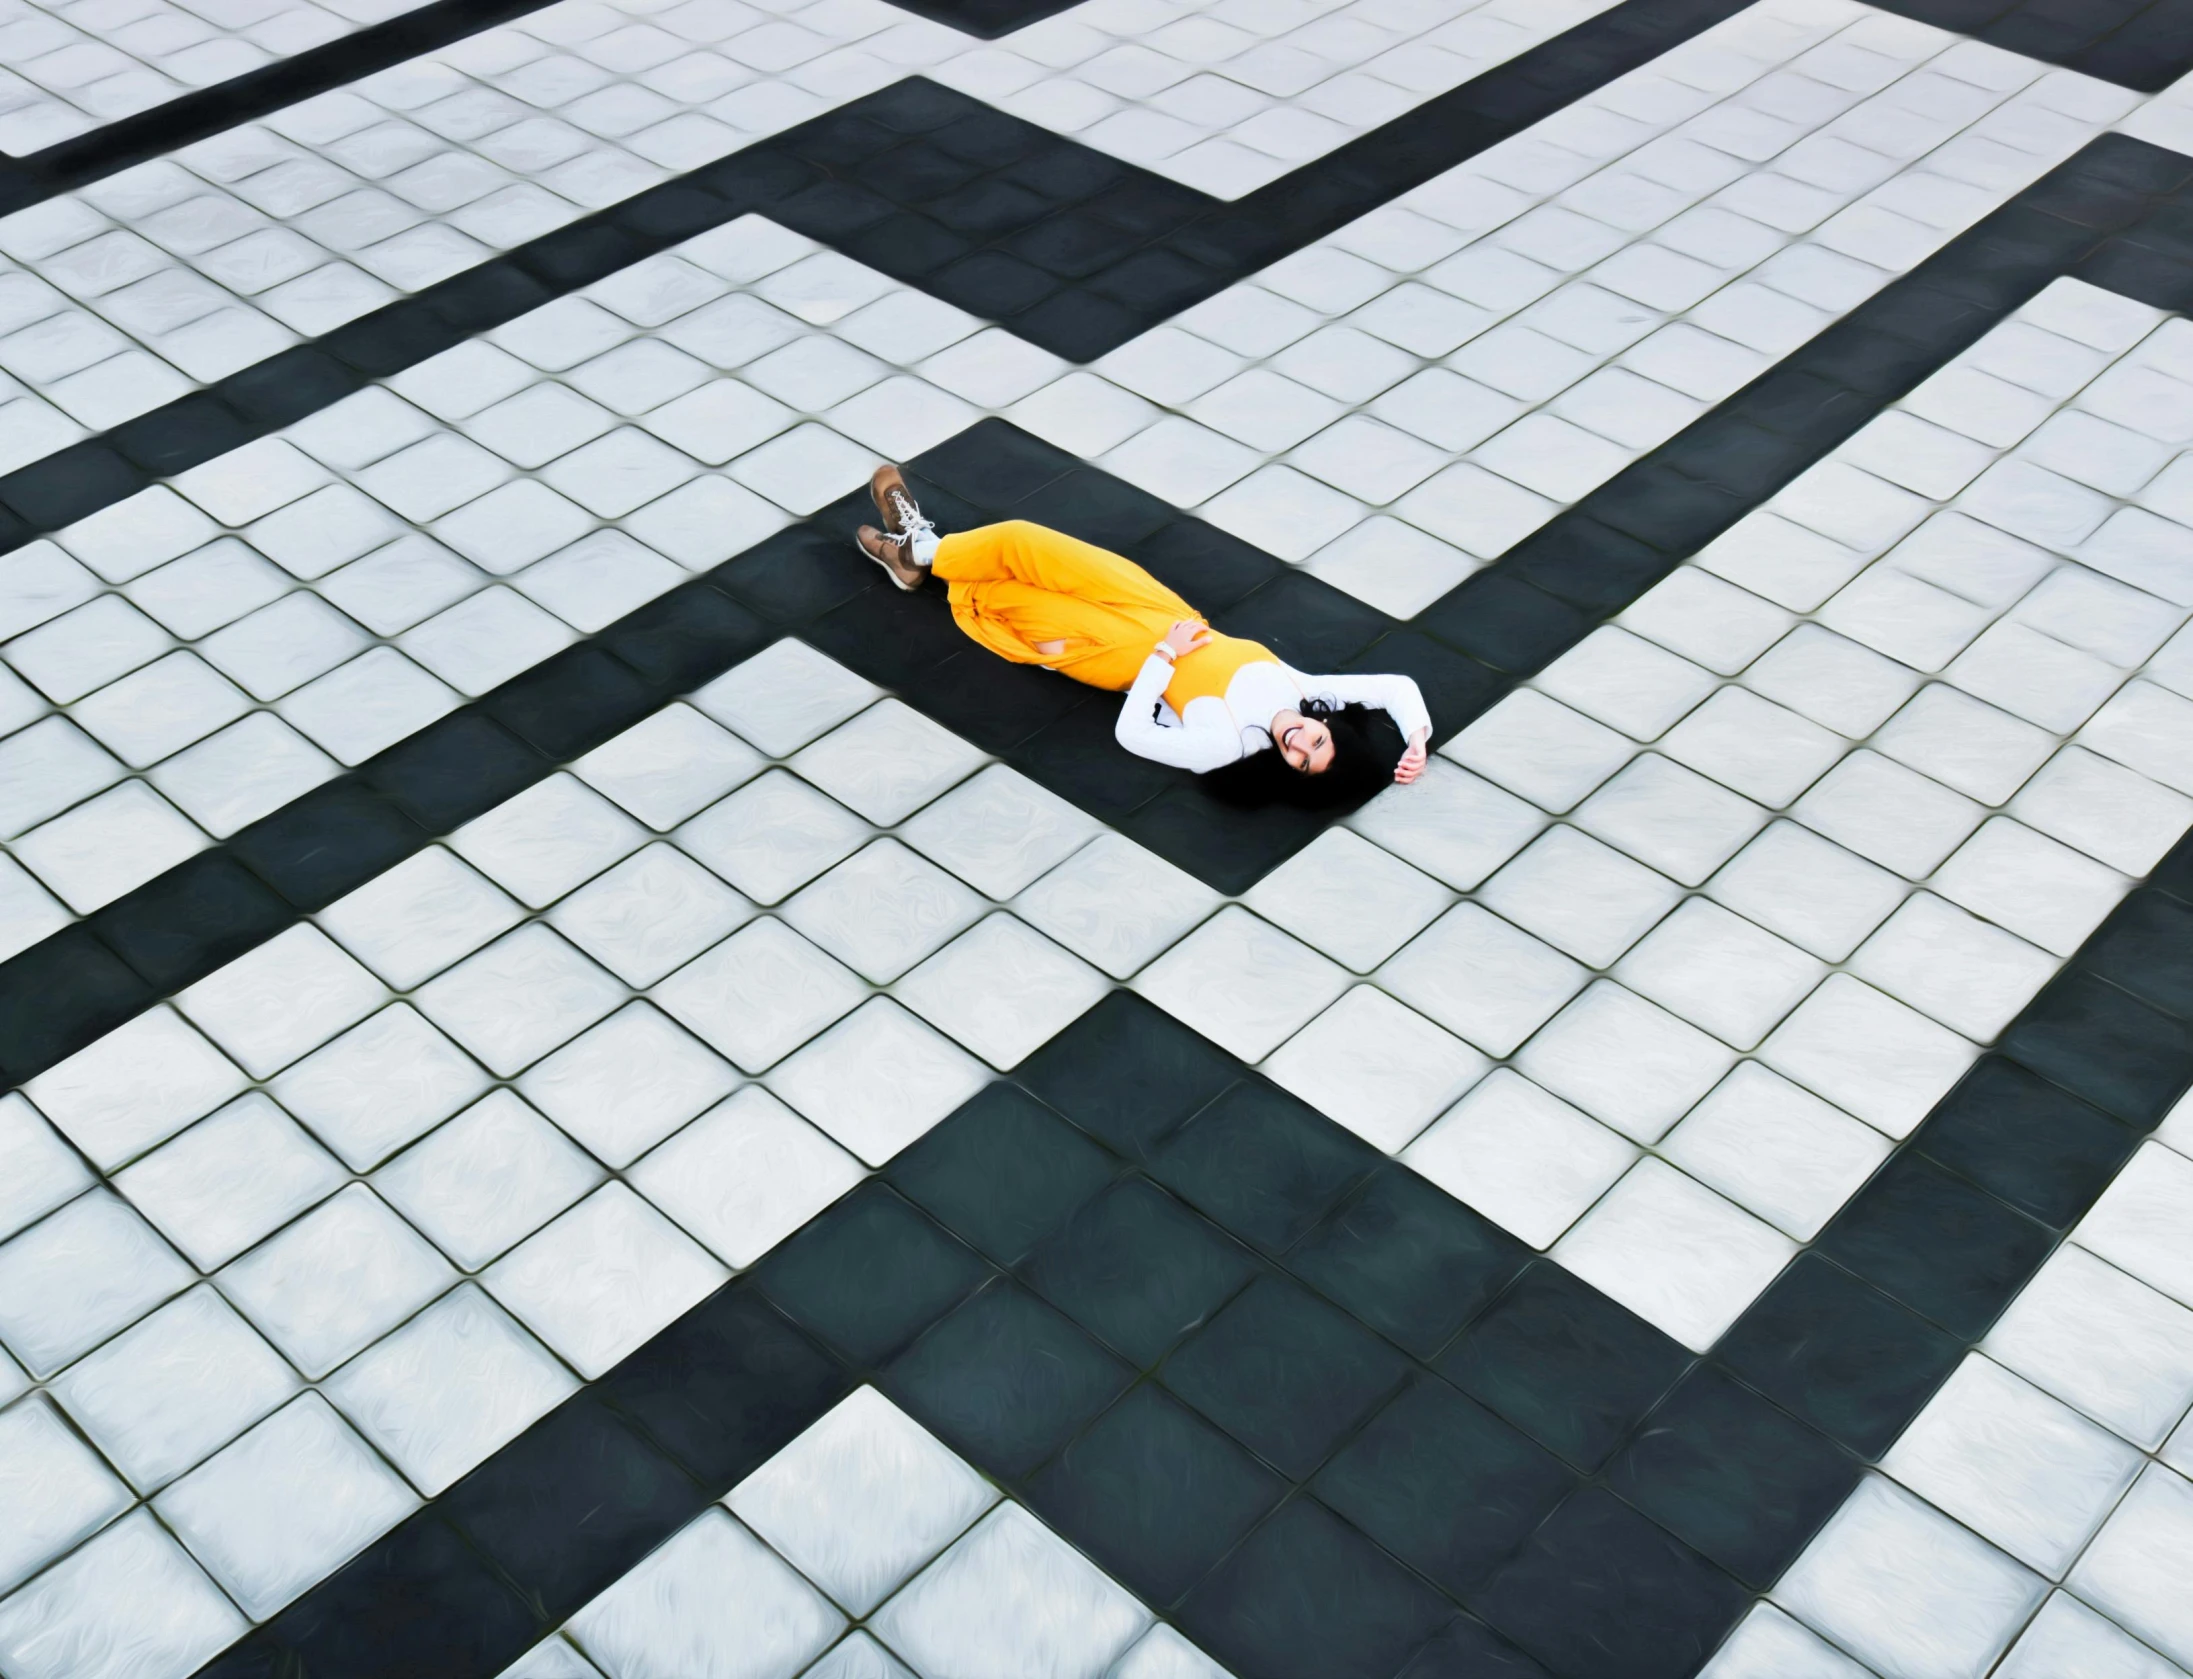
x=1215, y=732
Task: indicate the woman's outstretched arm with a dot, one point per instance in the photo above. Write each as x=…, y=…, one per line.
x=1397, y=696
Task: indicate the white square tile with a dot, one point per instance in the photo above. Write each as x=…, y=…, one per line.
x=134, y=1087
x=668, y=767
x=1579, y=895
x=1483, y=978
x=2102, y=1341
x=57, y=1488
x=161, y=709
x=1624, y=1061
x=1776, y=1149
x=1761, y=749
x=1815, y=894
x=623, y=1086
x=650, y=913
x=79, y=1275
x=1115, y=904
x=1675, y=1253
x=519, y=998
x=1767, y=1644
x=603, y=1278
x=38, y=1171
x=2014, y=1465
x=1971, y=976
x=745, y=1175
x=278, y=647
x=1522, y=1157
x=1012, y=1597
x=93, y=854
x=1868, y=1054
x=1832, y=680
x=249, y=770
x=883, y=910
x=877, y=1080
x=2135, y=1569
x=1906, y=1589
x=485, y=640
x=1889, y=814
x=1394, y=566
x=47, y=768
x=557, y=1658
x=229, y=1179
x=411, y=579
x=2103, y=809
x=712, y=1603
x=285, y=1505
x=1671, y=818
x=2140, y=1224
x=998, y=831
x=200, y=592
x=772, y=836
x=1720, y=971
x=130, y=1601
x=1713, y=623
x=372, y=702
x=598, y=579
x=87, y=648
x=336, y=1279
x=887, y=762
x=1001, y=989
x=862, y=1499
x=1981, y=752
x=1381, y=1070
x=487, y=1179
x=2068, y=1637
x=760, y=993
x=1541, y=749
x=169, y=1390
x=1626, y=682
x=449, y=1387
x=380, y=1085
x=803, y=470
x=1349, y=899
x=419, y=917
x=1242, y=983
x=1451, y=824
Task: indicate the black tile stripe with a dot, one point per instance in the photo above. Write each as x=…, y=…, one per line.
x=1073, y=250
x=2140, y=44
x=2108, y=215
x=1313, y=1410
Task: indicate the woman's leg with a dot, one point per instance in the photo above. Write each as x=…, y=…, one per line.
x=1051, y=560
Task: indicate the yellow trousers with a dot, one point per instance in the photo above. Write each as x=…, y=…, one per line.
x=1016, y=586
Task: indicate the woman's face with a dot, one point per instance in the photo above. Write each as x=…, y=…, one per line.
x=1305, y=743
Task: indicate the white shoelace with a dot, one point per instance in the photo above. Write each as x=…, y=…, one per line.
x=917, y=536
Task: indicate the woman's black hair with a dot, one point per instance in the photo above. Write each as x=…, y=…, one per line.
x=1366, y=747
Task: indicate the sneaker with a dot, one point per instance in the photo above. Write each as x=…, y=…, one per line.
x=889, y=552
x=900, y=513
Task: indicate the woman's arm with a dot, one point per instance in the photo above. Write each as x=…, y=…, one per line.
x=1202, y=742
x=1397, y=696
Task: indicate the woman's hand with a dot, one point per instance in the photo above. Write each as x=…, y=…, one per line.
x=1186, y=636
x=1413, y=760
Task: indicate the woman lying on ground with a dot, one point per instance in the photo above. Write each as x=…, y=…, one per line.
x=1196, y=699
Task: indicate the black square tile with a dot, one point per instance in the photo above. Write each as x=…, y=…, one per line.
x=1838, y=1352
x=2104, y=1044
x=1578, y=559
x=454, y=769
x=1138, y=1270
x=1408, y=1259
x=571, y=1504
x=1457, y=689
x=1506, y=621
x=796, y=575
x=328, y=842
x=726, y=1386
x=1097, y=508
x=1733, y=1476
x=1207, y=567
x=2016, y=1135
x=60, y=994
x=1565, y=1364
x=869, y=1275
x=418, y=1603
x=682, y=639
x=1080, y=759
x=182, y=434
x=1601, y=1590
x=1466, y=1648
x=1263, y=1164
x=1941, y=1245
x=989, y=701
x=1128, y=1073
x=179, y=926
x=1307, y=1597
x=1003, y=1171
x=1228, y=846
x=1444, y=1484
x=2147, y=947
x=1284, y=1373
x=1155, y=1494
x=1005, y=1380
x=889, y=636
x=572, y=701
x=1310, y=624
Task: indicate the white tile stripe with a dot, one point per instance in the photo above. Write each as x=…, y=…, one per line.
x=128, y=293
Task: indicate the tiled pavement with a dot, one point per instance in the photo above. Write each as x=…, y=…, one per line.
x=576, y=1045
